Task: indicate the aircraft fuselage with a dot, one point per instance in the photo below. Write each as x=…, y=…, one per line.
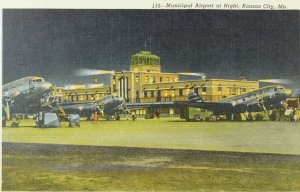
x=23, y=95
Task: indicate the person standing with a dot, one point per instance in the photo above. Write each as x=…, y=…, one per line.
x=297, y=115
x=96, y=117
x=133, y=116
x=157, y=114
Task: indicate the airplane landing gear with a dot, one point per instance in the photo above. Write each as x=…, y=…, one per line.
x=15, y=122
x=213, y=118
x=272, y=116
x=197, y=118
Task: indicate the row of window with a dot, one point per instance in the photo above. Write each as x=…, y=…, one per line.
x=165, y=93
x=153, y=79
x=140, y=60
x=87, y=97
x=150, y=79
x=182, y=92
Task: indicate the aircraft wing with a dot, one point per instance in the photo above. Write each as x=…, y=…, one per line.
x=175, y=104
x=216, y=108
x=81, y=108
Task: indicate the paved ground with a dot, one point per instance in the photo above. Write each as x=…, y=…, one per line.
x=49, y=167
x=262, y=137
x=165, y=154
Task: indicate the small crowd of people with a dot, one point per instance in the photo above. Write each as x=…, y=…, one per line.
x=95, y=116
x=292, y=114
x=289, y=114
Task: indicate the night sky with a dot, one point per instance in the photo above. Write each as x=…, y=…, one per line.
x=220, y=43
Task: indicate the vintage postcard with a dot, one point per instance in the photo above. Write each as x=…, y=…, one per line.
x=164, y=96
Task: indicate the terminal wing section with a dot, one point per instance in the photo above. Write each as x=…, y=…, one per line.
x=132, y=106
x=264, y=99
x=216, y=108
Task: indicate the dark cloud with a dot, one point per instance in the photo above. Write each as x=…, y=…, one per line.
x=223, y=44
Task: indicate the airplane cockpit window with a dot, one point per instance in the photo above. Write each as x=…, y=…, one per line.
x=37, y=80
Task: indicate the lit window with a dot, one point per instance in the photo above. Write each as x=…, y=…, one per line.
x=234, y=91
x=228, y=91
x=146, y=79
x=187, y=91
x=136, y=79
x=219, y=90
x=167, y=79
x=173, y=93
x=81, y=98
x=165, y=93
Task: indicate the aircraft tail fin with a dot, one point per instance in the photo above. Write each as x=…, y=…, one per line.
x=194, y=97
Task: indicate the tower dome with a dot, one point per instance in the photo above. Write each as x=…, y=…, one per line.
x=145, y=61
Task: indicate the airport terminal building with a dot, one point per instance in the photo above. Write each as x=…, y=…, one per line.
x=145, y=82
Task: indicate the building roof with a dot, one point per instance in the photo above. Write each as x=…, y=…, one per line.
x=147, y=54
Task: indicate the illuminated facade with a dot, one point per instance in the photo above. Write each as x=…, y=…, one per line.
x=210, y=90
x=144, y=69
x=79, y=93
x=146, y=83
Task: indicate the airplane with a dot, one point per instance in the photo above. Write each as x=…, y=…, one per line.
x=263, y=99
x=23, y=96
x=107, y=106
x=30, y=95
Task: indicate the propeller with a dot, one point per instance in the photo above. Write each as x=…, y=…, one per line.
x=291, y=83
x=7, y=108
x=279, y=81
x=194, y=74
x=8, y=104
x=260, y=102
x=89, y=72
x=51, y=98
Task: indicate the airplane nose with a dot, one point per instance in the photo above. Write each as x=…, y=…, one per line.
x=288, y=91
x=46, y=85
